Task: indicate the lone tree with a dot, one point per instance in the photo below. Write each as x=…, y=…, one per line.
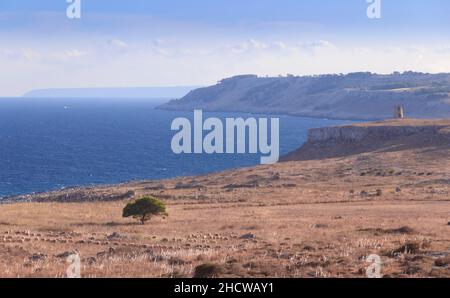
x=144, y=208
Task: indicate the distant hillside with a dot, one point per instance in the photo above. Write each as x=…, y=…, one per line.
x=362, y=95
x=144, y=92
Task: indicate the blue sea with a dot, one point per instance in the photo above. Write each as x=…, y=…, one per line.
x=50, y=144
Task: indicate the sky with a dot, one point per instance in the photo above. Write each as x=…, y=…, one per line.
x=145, y=43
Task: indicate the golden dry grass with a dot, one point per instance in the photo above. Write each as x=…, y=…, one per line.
x=292, y=240
x=317, y=228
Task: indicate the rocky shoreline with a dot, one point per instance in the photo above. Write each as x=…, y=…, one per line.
x=322, y=144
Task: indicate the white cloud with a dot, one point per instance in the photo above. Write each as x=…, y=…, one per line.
x=8, y=53
x=315, y=46
x=159, y=62
x=141, y=50
x=30, y=54
x=117, y=43
x=445, y=49
x=74, y=53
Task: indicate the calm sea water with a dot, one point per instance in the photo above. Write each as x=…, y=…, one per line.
x=48, y=144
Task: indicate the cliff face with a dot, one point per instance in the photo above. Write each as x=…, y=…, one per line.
x=359, y=133
x=339, y=141
x=354, y=96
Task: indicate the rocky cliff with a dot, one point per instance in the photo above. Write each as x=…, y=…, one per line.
x=384, y=135
x=359, y=133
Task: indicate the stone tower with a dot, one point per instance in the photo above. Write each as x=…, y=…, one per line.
x=399, y=112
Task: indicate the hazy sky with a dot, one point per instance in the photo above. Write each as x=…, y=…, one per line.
x=121, y=43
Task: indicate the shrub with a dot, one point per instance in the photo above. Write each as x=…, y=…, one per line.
x=144, y=208
x=207, y=270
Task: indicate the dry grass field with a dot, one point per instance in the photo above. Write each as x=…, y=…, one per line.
x=308, y=218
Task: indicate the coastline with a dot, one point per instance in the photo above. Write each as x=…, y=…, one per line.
x=269, y=113
x=317, y=143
